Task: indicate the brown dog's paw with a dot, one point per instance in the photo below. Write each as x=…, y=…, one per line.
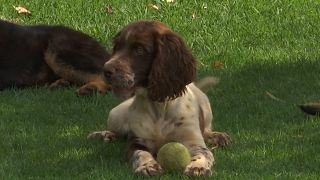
x=148, y=169
x=88, y=90
x=102, y=135
x=196, y=168
x=59, y=83
x=217, y=139
x=92, y=88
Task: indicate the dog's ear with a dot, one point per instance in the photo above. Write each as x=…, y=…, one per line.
x=173, y=68
x=116, y=41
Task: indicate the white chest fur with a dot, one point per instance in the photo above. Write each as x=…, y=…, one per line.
x=162, y=122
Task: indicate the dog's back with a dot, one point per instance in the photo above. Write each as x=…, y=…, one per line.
x=42, y=54
x=21, y=54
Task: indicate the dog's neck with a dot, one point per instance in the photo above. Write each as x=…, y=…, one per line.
x=142, y=93
x=158, y=109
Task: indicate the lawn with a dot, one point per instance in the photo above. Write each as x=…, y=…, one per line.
x=257, y=46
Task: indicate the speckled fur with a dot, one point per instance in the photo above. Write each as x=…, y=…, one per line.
x=151, y=124
x=166, y=107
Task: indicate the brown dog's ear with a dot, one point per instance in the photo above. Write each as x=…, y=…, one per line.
x=173, y=68
x=116, y=40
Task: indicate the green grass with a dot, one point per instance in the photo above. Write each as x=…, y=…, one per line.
x=264, y=45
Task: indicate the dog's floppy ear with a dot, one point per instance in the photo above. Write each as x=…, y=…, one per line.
x=116, y=40
x=173, y=68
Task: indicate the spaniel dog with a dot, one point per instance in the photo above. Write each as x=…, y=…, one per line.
x=152, y=64
x=54, y=55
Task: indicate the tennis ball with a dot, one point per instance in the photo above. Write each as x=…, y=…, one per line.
x=173, y=156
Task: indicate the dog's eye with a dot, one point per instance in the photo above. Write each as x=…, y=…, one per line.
x=139, y=51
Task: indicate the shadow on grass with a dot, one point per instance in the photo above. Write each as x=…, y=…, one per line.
x=269, y=137
x=45, y=137
x=242, y=94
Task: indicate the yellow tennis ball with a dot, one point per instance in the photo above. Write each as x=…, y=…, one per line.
x=173, y=156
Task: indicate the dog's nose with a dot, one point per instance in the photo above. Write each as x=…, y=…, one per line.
x=108, y=70
x=130, y=82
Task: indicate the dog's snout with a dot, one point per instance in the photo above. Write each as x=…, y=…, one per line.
x=108, y=70
x=117, y=74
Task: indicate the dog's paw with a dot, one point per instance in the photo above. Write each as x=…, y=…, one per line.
x=59, y=83
x=196, y=168
x=102, y=135
x=148, y=169
x=88, y=90
x=93, y=87
x=217, y=139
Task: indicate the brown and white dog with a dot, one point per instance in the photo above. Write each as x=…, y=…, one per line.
x=54, y=55
x=153, y=63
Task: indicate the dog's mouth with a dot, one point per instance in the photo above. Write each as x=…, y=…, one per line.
x=123, y=86
x=123, y=92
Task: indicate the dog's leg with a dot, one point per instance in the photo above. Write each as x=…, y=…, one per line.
x=65, y=67
x=202, y=161
x=216, y=139
x=202, y=158
x=143, y=162
x=102, y=135
x=117, y=123
x=59, y=83
x=96, y=85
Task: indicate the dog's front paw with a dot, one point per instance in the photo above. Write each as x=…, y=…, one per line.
x=88, y=90
x=59, y=83
x=102, y=135
x=217, y=139
x=150, y=168
x=196, y=168
x=93, y=87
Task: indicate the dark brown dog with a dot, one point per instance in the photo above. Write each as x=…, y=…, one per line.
x=54, y=55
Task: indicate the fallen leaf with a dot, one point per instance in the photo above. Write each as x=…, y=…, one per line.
x=193, y=15
x=109, y=9
x=205, y=6
x=169, y=1
x=153, y=6
x=273, y=97
x=217, y=65
x=22, y=10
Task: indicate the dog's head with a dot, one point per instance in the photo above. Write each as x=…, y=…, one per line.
x=148, y=54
